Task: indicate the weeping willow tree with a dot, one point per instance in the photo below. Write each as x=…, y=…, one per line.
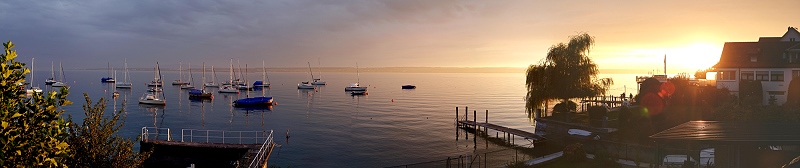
x=567, y=72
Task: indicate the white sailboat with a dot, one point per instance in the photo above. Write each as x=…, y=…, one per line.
x=156, y=79
x=125, y=84
x=188, y=85
x=213, y=81
x=153, y=98
x=243, y=85
x=262, y=83
x=307, y=84
x=228, y=87
x=317, y=81
x=33, y=89
x=179, y=81
x=60, y=82
x=356, y=86
x=52, y=78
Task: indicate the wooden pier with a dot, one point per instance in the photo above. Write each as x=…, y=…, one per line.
x=508, y=133
x=206, y=148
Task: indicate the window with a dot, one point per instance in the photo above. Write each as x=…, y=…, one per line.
x=776, y=76
x=753, y=59
x=762, y=75
x=750, y=75
x=726, y=75
x=795, y=73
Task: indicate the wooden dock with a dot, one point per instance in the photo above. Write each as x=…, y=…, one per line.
x=508, y=133
x=520, y=133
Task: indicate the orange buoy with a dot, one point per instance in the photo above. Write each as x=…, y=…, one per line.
x=392, y=100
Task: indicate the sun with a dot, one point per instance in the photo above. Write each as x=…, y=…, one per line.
x=694, y=56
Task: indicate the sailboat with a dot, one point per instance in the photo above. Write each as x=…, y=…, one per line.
x=179, y=81
x=355, y=86
x=60, y=83
x=316, y=81
x=116, y=93
x=125, y=83
x=156, y=79
x=200, y=93
x=227, y=87
x=213, y=77
x=243, y=84
x=306, y=84
x=33, y=89
x=187, y=85
x=108, y=79
x=52, y=78
x=152, y=98
x=260, y=83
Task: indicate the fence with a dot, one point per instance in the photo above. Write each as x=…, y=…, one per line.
x=153, y=133
x=260, y=158
x=219, y=136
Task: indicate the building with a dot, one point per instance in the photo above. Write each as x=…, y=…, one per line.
x=774, y=61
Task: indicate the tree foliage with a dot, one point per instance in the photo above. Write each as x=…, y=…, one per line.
x=33, y=133
x=567, y=72
x=94, y=144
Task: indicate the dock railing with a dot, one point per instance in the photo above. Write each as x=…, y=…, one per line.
x=153, y=133
x=263, y=152
x=220, y=136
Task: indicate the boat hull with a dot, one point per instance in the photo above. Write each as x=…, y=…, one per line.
x=59, y=84
x=108, y=80
x=305, y=86
x=409, y=87
x=152, y=102
x=361, y=88
x=253, y=102
x=124, y=85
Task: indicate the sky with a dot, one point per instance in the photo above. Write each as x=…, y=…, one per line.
x=633, y=35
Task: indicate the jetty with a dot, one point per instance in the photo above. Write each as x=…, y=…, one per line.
x=206, y=148
x=462, y=121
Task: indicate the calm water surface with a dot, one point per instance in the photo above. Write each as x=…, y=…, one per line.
x=329, y=127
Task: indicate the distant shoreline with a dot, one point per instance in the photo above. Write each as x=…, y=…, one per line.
x=385, y=70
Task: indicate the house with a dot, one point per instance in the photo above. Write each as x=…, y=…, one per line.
x=774, y=61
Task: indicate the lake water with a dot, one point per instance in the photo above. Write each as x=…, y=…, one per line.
x=329, y=127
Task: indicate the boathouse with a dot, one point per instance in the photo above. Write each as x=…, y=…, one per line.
x=773, y=61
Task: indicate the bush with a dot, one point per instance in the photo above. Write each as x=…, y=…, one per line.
x=565, y=106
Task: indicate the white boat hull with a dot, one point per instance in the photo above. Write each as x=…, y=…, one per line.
x=59, y=84
x=211, y=85
x=305, y=86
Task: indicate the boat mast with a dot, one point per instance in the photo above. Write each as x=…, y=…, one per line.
x=180, y=72
x=204, y=75
x=62, y=71
x=231, y=72
x=239, y=64
x=126, y=69
x=309, y=70
x=52, y=71
x=159, y=76
x=109, y=68
x=191, y=78
x=358, y=76
x=213, y=74
x=319, y=64
x=33, y=69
